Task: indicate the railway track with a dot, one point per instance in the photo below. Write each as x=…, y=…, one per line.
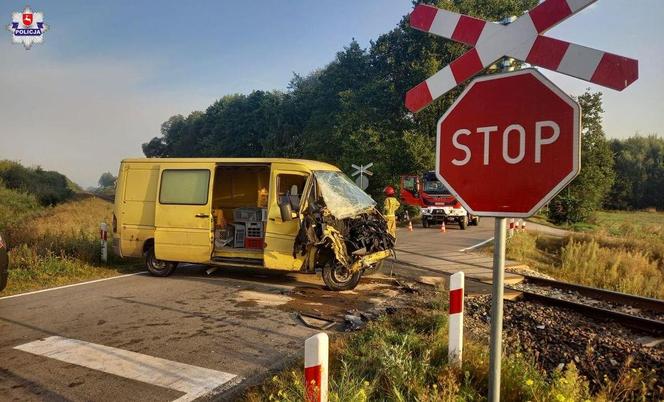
x=635, y=312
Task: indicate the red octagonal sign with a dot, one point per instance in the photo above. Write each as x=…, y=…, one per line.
x=508, y=144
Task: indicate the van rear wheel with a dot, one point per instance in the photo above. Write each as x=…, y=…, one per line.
x=158, y=267
x=337, y=277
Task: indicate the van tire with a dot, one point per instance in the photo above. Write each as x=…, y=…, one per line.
x=158, y=267
x=337, y=277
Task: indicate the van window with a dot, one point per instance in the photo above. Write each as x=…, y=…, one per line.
x=290, y=187
x=188, y=187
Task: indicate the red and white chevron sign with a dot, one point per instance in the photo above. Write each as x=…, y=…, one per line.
x=522, y=40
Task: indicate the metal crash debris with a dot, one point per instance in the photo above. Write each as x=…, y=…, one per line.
x=342, y=233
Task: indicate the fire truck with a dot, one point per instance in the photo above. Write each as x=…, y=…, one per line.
x=436, y=202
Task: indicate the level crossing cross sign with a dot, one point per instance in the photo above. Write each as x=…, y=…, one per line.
x=522, y=40
x=362, y=171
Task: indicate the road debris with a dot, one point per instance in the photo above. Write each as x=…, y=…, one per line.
x=316, y=321
x=353, y=322
x=351, y=311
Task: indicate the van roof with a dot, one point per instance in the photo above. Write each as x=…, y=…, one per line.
x=313, y=165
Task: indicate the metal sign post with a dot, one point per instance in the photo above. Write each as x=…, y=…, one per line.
x=495, y=353
x=362, y=180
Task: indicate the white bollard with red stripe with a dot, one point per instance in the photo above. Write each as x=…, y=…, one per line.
x=103, y=236
x=455, y=342
x=511, y=227
x=523, y=225
x=316, y=367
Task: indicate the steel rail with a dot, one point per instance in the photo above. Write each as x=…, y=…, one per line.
x=646, y=303
x=648, y=325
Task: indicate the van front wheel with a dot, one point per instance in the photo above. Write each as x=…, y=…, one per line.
x=337, y=277
x=158, y=267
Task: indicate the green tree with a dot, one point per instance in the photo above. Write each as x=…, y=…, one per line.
x=49, y=187
x=588, y=191
x=349, y=111
x=639, y=166
x=107, y=180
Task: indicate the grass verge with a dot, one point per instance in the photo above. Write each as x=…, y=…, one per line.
x=59, y=245
x=403, y=357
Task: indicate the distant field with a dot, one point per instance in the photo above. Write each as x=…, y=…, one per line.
x=53, y=246
x=642, y=225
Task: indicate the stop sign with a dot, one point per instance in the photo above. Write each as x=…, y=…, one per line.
x=508, y=144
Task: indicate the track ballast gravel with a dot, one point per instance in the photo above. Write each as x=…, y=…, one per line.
x=557, y=336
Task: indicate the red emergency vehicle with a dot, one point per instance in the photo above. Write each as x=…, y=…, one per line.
x=436, y=202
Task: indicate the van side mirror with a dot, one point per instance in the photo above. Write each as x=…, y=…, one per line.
x=285, y=209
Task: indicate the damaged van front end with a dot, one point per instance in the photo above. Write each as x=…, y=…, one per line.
x=342, y=234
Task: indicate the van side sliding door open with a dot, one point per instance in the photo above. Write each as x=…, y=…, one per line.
x=183, y=214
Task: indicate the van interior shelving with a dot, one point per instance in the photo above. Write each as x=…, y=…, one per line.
x=240, y=200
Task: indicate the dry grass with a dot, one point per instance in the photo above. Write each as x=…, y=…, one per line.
x=629, y=264
x=618, y=250
x=60, y=245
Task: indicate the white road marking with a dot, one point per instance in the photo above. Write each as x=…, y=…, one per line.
x=480, y=244
x=73, y=284
x=192, y=380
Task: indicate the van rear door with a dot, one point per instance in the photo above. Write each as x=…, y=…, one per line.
x=183, y=213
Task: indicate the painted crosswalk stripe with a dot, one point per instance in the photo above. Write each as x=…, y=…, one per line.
x=193, y=381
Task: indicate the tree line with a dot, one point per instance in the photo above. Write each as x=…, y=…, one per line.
x=351, y=112
x=49, y=187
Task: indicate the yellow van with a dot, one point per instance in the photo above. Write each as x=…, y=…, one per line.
x=282, y=214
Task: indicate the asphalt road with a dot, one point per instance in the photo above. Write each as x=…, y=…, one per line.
x=179, y=338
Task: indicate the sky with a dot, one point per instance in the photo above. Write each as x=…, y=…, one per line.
x=109, y=73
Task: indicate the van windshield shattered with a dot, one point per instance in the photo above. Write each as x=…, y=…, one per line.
x=343, y=198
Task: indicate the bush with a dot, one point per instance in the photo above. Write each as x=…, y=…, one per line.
x=15, y=207
x=49, y=187
x=568, y=208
